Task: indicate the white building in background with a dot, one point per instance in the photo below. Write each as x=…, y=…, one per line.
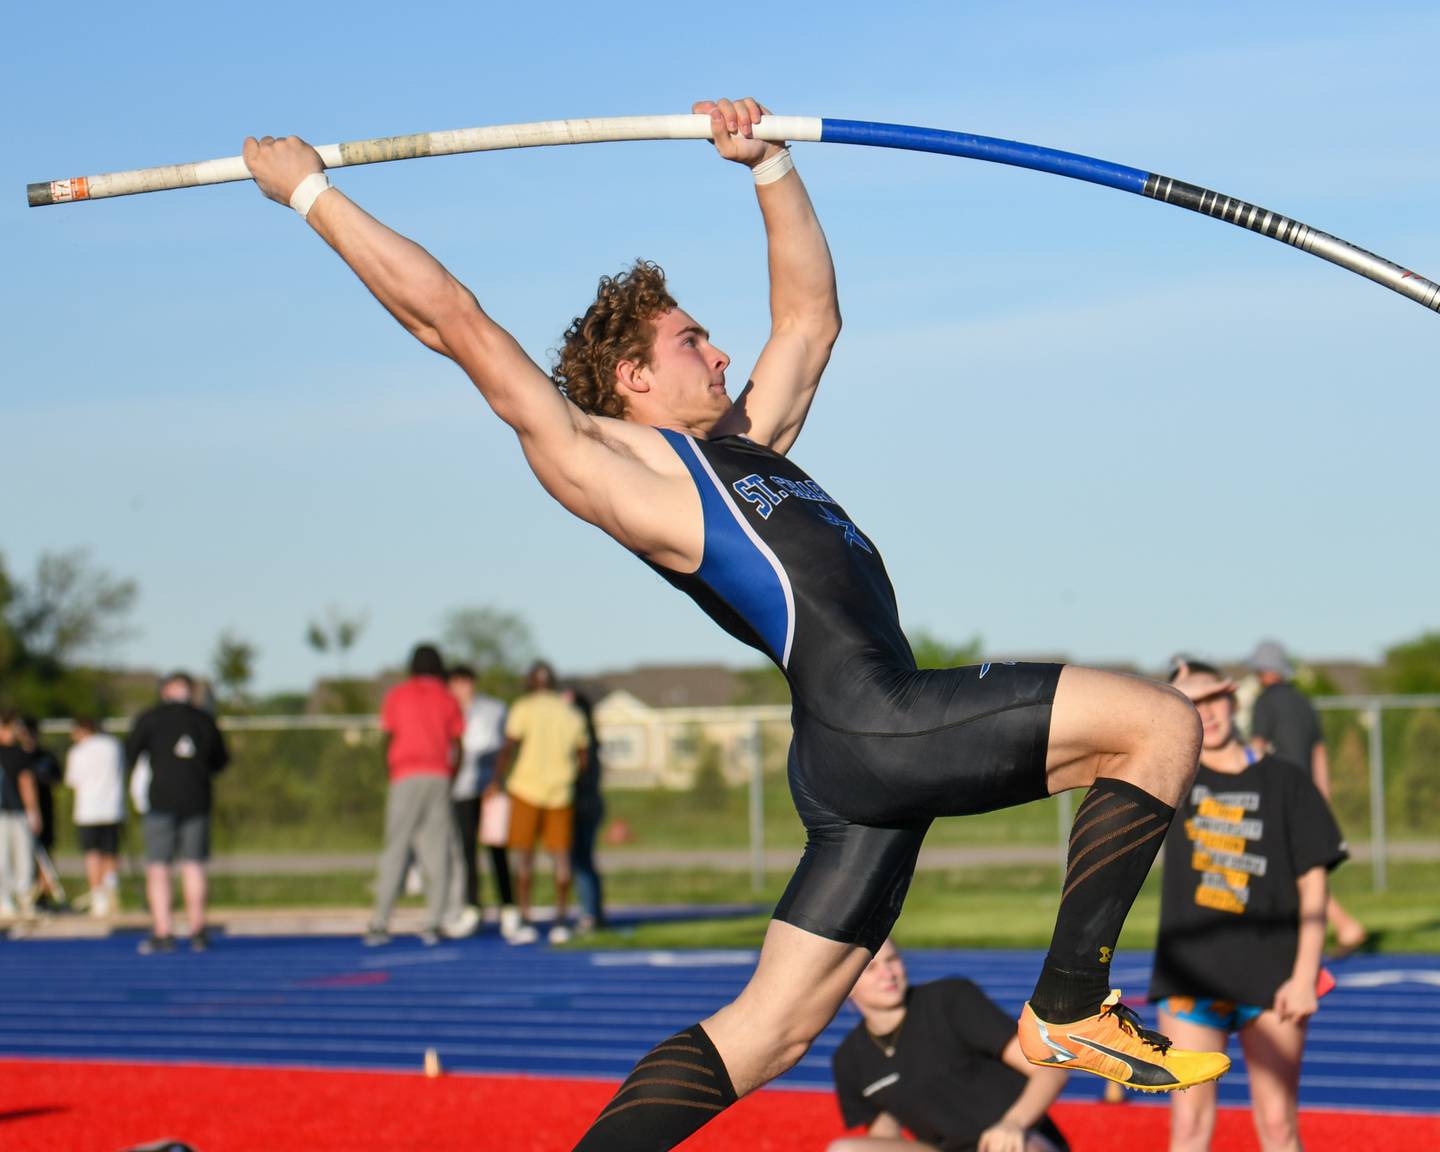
x=649, y=747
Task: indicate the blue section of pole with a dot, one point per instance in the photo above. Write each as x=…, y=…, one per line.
x=984, y=148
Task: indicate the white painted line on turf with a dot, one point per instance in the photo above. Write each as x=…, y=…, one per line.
x=670, y=959
x=1386, y=978
x=439, y=956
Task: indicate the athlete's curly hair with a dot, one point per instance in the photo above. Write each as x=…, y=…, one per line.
x=620, y=325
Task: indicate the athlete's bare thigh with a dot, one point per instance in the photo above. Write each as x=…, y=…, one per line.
x=1109, y=724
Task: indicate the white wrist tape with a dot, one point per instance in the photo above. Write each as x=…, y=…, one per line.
x=307, y=192
x=768, y=171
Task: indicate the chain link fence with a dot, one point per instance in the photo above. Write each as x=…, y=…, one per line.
x=709, y=784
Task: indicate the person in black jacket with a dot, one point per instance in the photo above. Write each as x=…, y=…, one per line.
x=47, y=772
x=185, y=749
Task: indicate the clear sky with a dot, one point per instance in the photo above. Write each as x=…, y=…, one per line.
x=1076, y=421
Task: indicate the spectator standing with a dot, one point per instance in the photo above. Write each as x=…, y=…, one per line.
x=95, y=771
x=943, y=1060
x=544, y=750
x=1242, y=918
x=47, y=772
x=1285, y=723
x=422, y=726
x=185, y=750
x=479, y=747
x=19, y=820
x=589, y=815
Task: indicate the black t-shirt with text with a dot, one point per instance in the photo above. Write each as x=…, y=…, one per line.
x=1229, y=906
x=185, y=749
x=946, y=1082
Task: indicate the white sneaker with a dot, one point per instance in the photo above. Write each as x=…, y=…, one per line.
x=510, y=920
x=99, y=902
x=559, y=934
x=525, y=934
x=414, y=881
x=465, y=922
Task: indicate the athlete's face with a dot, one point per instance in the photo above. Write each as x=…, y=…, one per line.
x=882, y=985
x=686, y=372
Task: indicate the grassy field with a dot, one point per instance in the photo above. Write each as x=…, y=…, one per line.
x=657, y=819
x=972, y=908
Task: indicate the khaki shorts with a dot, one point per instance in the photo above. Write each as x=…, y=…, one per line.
x=554, y=828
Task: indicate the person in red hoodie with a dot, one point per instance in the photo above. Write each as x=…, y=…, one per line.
x=422, y=726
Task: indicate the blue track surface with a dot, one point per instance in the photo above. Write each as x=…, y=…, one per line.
x=488, y=1007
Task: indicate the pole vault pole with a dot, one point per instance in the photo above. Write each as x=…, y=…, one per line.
x=1231, y=210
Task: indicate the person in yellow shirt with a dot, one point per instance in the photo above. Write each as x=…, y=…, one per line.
x=545, y=750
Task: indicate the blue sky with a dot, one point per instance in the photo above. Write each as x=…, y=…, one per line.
x=1076, y=421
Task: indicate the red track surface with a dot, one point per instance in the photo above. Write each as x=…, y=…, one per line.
x=75, y=1107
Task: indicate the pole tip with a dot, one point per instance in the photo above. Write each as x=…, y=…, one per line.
x=38, y=194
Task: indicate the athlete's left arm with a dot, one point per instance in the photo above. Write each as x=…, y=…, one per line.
x=1296, y=999
x=804, y=305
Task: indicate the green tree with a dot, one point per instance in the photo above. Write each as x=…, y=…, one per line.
x=338, y=631
x=1350, y=777
x=709, y=793
x=1418, y=778
x=233, y=664
x=70, y=607
x=496, y=643
x=1414, y=666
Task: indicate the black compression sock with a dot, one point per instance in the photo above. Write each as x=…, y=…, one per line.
x=1117, y=832
x=677, y=1087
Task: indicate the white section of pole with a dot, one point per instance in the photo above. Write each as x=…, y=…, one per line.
x=386, y=148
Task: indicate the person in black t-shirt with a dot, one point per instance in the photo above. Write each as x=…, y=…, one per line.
x=942, y=1060
x=19, y=819
x=1242, y=918
x=47, y=772
x=185, y=749
x=1286, y=723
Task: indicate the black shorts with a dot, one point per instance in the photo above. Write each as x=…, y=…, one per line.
x=965, y=740
x=102, y=838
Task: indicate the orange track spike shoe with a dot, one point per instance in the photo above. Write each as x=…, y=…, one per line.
x=1113, y=1044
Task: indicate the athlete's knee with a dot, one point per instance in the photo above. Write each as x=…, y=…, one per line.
x=774, y=1040
x=1167, y=745
x=791, y=1036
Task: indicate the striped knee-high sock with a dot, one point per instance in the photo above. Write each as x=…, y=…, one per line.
x=1117, y=832
x=676, y=1088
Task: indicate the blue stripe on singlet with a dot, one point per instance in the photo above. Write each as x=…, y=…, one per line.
x=737, y=565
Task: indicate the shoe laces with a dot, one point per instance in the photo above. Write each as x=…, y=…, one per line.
x=1129, y=1020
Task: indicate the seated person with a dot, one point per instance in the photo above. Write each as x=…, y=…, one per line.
x=942, y=1060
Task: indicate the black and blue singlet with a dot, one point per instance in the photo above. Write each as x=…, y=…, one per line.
x=880, y=747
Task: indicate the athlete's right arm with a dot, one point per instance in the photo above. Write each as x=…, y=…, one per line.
x=566, y=448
